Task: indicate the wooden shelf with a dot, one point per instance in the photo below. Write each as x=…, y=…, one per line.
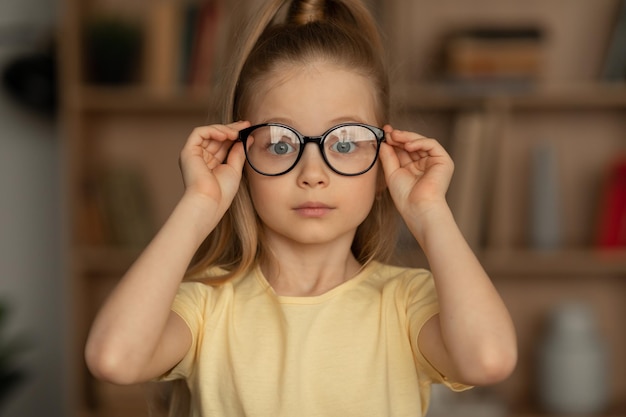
x=109, y=124
x=597, y=96
x=498, y=262
x=514, y=263
x=558, y=263
x=136, y=99
x=594, y=96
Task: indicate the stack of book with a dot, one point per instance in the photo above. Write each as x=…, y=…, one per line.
x=491, y=57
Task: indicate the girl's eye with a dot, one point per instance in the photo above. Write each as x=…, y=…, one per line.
x=343, y=147
x=281, y=148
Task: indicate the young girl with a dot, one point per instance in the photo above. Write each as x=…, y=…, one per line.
x=288, y=308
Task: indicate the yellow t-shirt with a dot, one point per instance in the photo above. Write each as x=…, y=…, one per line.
x=349, y=352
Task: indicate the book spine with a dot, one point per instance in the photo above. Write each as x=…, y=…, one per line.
x=162, y=45
x=204, y=47
x=615, y=63
x=611, y=230
x=545, y=209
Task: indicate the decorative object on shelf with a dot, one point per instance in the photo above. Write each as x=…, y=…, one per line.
x=573, y=363
x=545, y=218
x=32, y=81
x=483, y=59
x=113, y=48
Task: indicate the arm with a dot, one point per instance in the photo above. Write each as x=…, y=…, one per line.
x=472, y=339
x=135, y=336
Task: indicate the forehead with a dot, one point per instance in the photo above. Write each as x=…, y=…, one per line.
x=314, y=96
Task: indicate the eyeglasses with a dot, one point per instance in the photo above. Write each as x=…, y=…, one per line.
x=348, y=149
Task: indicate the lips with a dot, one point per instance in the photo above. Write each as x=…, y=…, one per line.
x=313, y=209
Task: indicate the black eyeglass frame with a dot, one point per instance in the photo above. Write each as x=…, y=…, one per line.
x=319, y=140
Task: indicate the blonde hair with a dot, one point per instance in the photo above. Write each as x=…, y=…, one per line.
x=341, y=32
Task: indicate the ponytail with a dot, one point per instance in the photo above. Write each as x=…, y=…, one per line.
x=303, y=12
x=276, y=19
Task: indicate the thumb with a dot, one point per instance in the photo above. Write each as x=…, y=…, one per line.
x=236, y=157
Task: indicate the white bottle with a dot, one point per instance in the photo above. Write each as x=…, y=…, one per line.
x=573, y=368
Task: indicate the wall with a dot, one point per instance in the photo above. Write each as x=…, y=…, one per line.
x=30, y=229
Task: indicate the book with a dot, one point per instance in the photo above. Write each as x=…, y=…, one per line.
x=163, y=52
x=615, y=63
x=188, y=33
x=545, y=210
x=492, y=57
x=465, y=192
x=611, y=222
x=204, y=45
x=124, y=206
x=91, y=228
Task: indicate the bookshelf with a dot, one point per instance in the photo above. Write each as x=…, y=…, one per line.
x=144, y=123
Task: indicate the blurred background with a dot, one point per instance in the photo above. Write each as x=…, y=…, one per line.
x=33, y=287
x=98, y=97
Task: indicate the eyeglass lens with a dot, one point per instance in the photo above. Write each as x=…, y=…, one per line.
x=348, y=149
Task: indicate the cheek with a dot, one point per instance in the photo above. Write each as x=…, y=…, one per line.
x=363, y=194
x=262, y=194
x=257, y=194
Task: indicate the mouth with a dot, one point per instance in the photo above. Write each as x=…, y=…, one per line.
x=312, y=209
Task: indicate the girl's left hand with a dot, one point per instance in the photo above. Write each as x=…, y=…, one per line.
x=417, y=170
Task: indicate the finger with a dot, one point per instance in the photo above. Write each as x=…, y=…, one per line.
x=424, y=144
x=217, y=154
x=388, y=158
x=236, y=157
x=231, y=130
x=402, y=136
x=219, y=132
x=241, y=124
x=416, y=143
x=214, y=140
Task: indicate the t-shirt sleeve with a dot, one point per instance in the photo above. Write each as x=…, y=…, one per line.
x=190, y=304
x=422, y=305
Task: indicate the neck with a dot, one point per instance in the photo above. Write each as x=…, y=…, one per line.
x=308, y=270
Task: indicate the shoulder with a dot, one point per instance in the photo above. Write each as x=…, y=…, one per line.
x=202, y=289
x=386, y=274
x=403, y=284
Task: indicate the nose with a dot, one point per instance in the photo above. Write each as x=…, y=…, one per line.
x=313, y=171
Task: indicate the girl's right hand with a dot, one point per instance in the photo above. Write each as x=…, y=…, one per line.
x=134, y=342
x=212, y=165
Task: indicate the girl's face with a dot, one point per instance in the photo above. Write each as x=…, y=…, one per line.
x=312, y=204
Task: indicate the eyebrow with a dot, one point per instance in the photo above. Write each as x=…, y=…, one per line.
x=333, y=122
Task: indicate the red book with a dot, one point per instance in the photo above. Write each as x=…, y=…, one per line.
x=204, y=45
x=611, y=230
